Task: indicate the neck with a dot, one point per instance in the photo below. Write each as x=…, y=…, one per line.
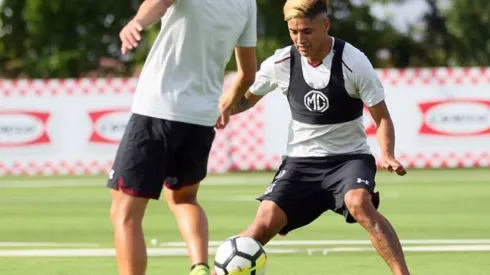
x=318, y=57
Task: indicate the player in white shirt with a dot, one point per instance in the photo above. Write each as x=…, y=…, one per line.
x=177, y=103
x=328, y=164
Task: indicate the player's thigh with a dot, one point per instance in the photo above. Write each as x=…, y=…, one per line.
x=141, y=158
x=190, y=163
x=298, y=193
x=356, y=172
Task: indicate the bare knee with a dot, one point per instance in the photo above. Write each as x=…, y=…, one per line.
x=184, y=195
x=360, y=206
x=270, y=219
x=127, y=210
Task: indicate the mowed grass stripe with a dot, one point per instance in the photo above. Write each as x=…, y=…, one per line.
x=255, y=178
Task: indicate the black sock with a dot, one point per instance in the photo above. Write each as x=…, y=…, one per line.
x=196, y=265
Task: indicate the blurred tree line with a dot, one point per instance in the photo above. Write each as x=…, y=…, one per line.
x=59, y=38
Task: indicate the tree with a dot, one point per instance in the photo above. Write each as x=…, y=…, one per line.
x=373, y=36
x=13, y=33
x=58, y=38
x=468, y=23
x=350, y=22
x=454, y=36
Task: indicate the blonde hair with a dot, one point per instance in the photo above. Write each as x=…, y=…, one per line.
x=304, y=8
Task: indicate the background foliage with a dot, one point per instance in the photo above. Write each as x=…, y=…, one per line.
x=59, y=38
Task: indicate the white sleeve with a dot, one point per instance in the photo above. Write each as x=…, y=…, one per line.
x=248, y=38
x=265, y=78
x=367, y=82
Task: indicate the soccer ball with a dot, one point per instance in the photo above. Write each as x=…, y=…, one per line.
x=240, y=255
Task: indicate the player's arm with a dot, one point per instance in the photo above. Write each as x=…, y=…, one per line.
x=245, y=103
x=265, y=82
x=148, y=13
x=246, y=60
x=385, y=129
x=371, y=92
x=151, y=11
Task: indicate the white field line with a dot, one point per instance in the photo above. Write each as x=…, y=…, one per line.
x=275, y=247
x=339, y=242
x=183, y=251
x=108, y=252
x=40, y=244
x=155, y=243
x=437, y=248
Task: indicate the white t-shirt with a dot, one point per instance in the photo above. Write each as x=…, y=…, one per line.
x=182, y=78
x=361, y=81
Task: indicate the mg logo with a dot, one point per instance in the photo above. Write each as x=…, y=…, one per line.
x=316, y=101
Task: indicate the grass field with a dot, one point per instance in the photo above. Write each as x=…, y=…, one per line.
x=60, y=226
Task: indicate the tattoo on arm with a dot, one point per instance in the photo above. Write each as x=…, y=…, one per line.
x=241, y=106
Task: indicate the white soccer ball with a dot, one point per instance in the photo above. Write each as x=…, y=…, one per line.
x=240, y=255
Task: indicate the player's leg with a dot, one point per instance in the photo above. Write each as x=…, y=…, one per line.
x=357, y=201
x=381, y=232
x=291, y=201
x=136, y=177
x=268, y=222
x=192, y=222
x=188, y=169
x=127, y=216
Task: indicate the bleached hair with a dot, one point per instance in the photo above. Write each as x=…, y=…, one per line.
x=294, y=9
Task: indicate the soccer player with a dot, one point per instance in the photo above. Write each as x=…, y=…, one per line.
x=328, y=163
x=169, y=134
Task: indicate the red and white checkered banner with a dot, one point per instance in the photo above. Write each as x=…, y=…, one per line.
x=73, y=126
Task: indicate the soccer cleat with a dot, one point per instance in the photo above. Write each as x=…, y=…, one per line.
x=200, y=270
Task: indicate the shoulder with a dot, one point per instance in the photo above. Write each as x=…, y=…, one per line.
x=276, y=67
x=248, y=7
x=354, y=59
x=361, y=78
x=279, y=59
x=245, y=7
x=252, y=5
x=282, y=55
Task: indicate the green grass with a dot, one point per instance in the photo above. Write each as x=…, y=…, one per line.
x=425, y=204
x=339, y=264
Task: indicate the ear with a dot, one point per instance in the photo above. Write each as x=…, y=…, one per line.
x=327, y=24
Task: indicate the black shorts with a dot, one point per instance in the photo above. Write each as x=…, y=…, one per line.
x=154, y=152
x=305, y=188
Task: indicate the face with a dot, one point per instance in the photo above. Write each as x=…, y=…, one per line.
x=309, y=35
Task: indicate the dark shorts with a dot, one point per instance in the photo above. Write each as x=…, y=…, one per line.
x=154, y=152
x=305, y=188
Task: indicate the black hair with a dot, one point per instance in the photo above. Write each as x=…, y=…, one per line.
x=318, y=8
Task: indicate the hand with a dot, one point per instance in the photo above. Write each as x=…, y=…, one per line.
x=390, y=163
x=130, y=36
x=223, y=120
x=224, y=107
